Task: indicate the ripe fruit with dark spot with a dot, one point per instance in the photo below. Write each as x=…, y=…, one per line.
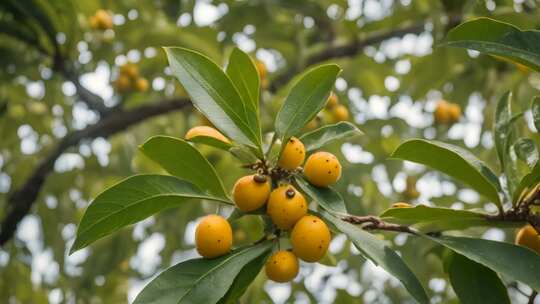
x=206, y=131
x=213, y=236
x=293, y=154
x=310, y=238
x=529, y=237
x=282, y=266
x=322, y=169
x=286, y=206
x=251, y=192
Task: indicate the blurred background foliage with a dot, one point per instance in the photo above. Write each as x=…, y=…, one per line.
x=65, y=121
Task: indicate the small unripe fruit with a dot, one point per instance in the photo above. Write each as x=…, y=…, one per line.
x=141, y=85
x=122, y=84
x=206, y=131
x=104, y=20
x=130, y=70
x=282, y=266
x=442, y=113
x=213, y=236
x=261, y=68
x=251, y=192
x=332, y=101
x=286, y=206
x=340, y=113
x=293, y=154
x=310, y=238
x=322, y=169
x=401, y=205
x=454, y=112
x=529, y=237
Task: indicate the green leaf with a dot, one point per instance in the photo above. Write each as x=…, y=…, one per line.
x=475, y=283
x=244, y=279
x=428, y=219
x=535, y=109
x=382, y=255
x=211, y=141
x=527, y=183
x=181, y=159
x=322, y=136
x=199, y=280
x=130, y=201
x=245, y=78
x=512, y=261
x=502, y=126
x=526, y=151
x=306, y=98
x=213, y=93
x=326, y=197
x=453, y=161
x=498, y=38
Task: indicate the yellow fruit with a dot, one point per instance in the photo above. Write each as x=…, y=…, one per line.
x=261, y=68
x=293, y=154
x=251, y=192
x=322, y=169
x=265, y=83
x=340, y=113
x=141, y=85
x=310, y=238
x=454, y=112
x=94, y=22
x=401, y=205
x=206, y=131
x=332, y=101
x=104, y=20
x=130, y=70
x=213, y=236
x=122, y=84
x=282, y=266
x=312, y=124
x=529, y=237
x=442, y=113
x=286, y=206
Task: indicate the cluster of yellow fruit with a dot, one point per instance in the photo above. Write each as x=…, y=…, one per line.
x=101, y=20
x=285, y=205
x=129, y=79
x=529, y=237
x=333, y=112
x=447, y=113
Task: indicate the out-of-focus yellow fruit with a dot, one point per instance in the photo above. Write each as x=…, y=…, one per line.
x=286, y=206
x=442, y=113
x=122, y=83
x=332, y=101
x=340, y=113
x=206, y=131
x=130, y=70
x=322, y=169
x=213, y=236
x=310, y=238
x=141, y=85
x=93, y=22
x=104, y=19
x=251, y=192
x=401, y=205
x=454, y=112
x=261, y=68
x=282, y=266
x=529, y=237
x=293, y=154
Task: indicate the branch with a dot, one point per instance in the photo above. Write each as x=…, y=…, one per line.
x=532, y=297
x=20, y=201
x=371, y=222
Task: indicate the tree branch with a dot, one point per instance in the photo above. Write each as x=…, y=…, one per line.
x=20, y=201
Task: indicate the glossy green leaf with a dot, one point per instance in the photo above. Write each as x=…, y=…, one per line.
x=378, y=252
x=211, y=141
x=475, y=283
x=181, y=159
x=527, y=183
x=426, y=219
x=512, y=261
x=526, y=150
x=306, y=98
x=322, y=136
x=245, y=78
x=453, y=161
x=213, y=93
x=130, y=201
x=498, y=38
x=244, y=279
x=199, y=280
x=326, y=197
x=535, y=109
x=502, y=126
